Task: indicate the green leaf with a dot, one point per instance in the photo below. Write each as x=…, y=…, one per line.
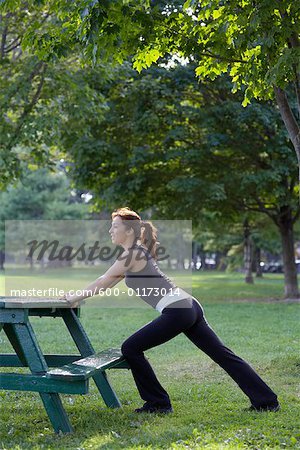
x=246, y=101
x=217, y=13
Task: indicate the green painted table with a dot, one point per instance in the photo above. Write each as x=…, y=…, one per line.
x=71, y=373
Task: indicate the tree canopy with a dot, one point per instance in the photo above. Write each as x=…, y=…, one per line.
x=35, y=98
x=257, y=44
x=185, y=149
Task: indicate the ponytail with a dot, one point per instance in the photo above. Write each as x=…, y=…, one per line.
x=149, y=237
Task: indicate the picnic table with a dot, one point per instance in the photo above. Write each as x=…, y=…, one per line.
x=53, y=374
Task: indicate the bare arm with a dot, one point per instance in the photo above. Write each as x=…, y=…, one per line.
x=111, y=277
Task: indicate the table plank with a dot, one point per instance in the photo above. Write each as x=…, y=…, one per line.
x=32, y=302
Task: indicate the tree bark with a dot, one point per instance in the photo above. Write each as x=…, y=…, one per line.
x=202, y=255
x=30, y=260
x=2, y=259
x=288, y=253
x=194, y=254
x=220, y=265
x=3, y=38
x=290, y=123
x=248, y=253
x=258, y=269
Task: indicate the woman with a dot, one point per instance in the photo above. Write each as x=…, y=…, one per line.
x=180, y=313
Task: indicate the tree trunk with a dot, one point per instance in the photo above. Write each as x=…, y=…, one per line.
x=258, y=269
x=220, y=265
x=288, y=253
x=202, y=255
x=2, y=259
x=248, y=253
x=290, y=122
x=31, y=264
x=180, y=262
x=194, y=254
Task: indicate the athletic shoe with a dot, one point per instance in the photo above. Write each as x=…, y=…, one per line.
x=272, y=408
x=154, y=409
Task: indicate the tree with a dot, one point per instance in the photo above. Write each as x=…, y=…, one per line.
x=35, y=95
x=21, y=83
x=256, y=43
x=39, y=195
x=165, y=138
x=226, y=241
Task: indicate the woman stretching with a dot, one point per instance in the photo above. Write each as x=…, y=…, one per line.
x=179, y=313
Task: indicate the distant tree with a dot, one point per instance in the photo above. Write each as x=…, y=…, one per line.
x=36, y=95
x=226, y=240
x=39, y=195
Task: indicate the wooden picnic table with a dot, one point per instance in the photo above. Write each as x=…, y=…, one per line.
x=71, y=373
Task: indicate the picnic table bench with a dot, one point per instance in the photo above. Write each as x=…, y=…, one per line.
x=53, y=374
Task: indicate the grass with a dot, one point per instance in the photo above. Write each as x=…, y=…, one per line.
x=208, y=405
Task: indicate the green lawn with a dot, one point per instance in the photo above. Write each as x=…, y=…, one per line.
x=208, y=405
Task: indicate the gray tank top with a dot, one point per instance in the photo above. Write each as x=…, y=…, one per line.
x=150, y=283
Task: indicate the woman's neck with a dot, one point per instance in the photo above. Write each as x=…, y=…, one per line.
x=131, y=245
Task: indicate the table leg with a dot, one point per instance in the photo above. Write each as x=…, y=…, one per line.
x=26, y=343
x=8, y=329
x=86, y=349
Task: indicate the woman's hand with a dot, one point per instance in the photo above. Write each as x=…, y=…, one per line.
x=71, y=299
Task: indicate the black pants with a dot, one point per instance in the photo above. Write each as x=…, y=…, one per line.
x=190, y=321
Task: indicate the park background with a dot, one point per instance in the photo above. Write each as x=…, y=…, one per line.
x=180, y=112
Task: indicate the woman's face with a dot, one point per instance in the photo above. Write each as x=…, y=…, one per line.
x=118, y=232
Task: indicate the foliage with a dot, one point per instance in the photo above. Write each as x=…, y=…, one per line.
x=186, y=150
x=40, y=195
x=165, y=137
x=258, y=43
x=35, y=97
